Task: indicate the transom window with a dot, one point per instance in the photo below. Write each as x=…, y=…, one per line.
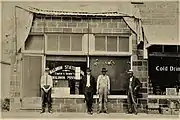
x=112, y=43
x=64, y=42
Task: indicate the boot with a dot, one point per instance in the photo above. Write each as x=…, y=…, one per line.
x=42, y=111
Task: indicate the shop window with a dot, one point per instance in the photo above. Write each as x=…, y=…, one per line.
x=34, y=42
x=76, y=43
x=67, y=74
x=117, y=67
x=123, y=44
x=112, y=43
x=64, y=43
x=52, y=43
x=100, y=43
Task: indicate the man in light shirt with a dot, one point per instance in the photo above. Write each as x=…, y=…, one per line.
x=88, y=89
x=46, y=87
x=133, y=87
x=103, y=89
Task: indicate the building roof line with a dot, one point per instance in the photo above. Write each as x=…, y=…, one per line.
x=71, y=13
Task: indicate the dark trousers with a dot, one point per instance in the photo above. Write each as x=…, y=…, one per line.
x=89, y=98
x=132, y=107
x=46, y=97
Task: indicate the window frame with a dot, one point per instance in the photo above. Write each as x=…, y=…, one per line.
x=112, y=53
x=70, y=52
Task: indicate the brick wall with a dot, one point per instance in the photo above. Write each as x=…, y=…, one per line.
x=15, y=85
x=80, y=25
x=78, y=105
x=140, y=68
x=163, y=103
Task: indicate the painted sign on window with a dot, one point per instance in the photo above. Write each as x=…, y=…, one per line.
x=66, y=72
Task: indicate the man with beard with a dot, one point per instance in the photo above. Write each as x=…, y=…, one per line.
x=134, y=85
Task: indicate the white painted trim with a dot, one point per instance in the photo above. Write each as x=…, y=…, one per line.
x=104, y=53
x=106, y=45
x=43, y=64
x=88, y=62
x=131, y=62
x=32, y=52
x=130, y=50
x=130, y=44
x=21, y=82
x=117, y=43
x=45, y=38
x=70, y=43
x=164, y=96
x=66, y=53
x=95, y=96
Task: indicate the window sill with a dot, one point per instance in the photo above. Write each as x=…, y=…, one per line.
x=95, y=96
x=164, y=96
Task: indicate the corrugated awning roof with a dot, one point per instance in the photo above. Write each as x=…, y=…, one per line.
x=71, y=13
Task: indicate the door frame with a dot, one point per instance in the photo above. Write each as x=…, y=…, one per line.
x=22, y=68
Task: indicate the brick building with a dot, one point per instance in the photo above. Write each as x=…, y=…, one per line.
x=72, y=41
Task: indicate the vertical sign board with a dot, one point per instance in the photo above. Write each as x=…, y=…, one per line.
x=78, y=73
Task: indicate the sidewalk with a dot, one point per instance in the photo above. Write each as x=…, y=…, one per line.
x=73, y=115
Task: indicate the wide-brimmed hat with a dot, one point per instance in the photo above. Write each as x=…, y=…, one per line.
x=88, y=70
x=104, y=70
x=46, y=69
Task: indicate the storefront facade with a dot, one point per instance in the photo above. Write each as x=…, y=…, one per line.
x=70, y=44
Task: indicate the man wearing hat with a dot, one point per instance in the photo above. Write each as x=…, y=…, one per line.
x=46, y=86
x=133, y=87
x=103, y=89
x=88, y=88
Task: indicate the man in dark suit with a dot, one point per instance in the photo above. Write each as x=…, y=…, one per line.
x=88, y=89
x=133, y=88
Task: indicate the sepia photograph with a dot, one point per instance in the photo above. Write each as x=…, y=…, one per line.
x=90, y=59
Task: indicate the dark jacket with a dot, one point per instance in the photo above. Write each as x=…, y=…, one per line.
x=135, y=84
x=92, y=83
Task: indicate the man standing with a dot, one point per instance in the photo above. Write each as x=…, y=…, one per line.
x=103, y=89
x=88, y=88
x=134, y=85
x=46, y=87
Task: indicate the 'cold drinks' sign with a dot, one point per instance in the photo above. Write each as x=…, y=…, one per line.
x=168, y=68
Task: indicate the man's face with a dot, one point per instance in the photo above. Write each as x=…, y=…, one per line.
x=104, y=73
x=88, y=73
x=130, y=74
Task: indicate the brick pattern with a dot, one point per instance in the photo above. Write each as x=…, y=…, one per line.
x=163, y=104
x=78, y=105
x=96, y=25
x=139, y=66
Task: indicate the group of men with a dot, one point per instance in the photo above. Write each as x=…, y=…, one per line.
x=89, y=83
